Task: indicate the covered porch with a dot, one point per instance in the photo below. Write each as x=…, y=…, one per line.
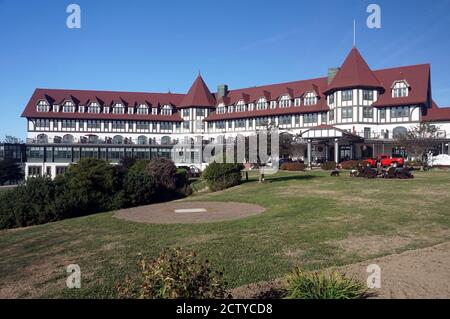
x=327, y=143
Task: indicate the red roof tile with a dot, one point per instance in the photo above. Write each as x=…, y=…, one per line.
x=436, y=113
x=105, y=98
x=354, y=73
x=417, y=76
x=198, y=95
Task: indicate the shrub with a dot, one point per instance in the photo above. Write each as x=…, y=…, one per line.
x=352, y=164
x=28, y=204
x=222, y=175
x=140, y=188
x=174, y=274
x=328, y=166
x=163, y=171
x=92, y=186
x=294, y=166
x=323, y=285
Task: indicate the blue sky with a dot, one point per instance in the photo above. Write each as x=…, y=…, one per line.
x=154, y=46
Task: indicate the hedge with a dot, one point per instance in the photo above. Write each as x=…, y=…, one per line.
x=222, y=175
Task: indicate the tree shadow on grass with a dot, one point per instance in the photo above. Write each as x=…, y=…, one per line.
x=307, y=177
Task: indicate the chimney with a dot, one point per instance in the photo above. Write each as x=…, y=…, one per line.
x=222, y=90
x=332, y=73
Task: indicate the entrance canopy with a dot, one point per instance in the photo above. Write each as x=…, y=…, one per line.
x=326, y=132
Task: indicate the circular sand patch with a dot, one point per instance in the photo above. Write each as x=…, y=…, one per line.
x=189, y=212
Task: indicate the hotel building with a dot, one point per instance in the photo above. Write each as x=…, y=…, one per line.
x=352, y=113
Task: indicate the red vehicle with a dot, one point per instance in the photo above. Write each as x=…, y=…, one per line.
x=386, y=161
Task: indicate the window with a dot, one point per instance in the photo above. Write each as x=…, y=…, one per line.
x=347, y=95
x=118, y=109
x=347, y=113
x=93, y=108
x=261, y=104
x=382, y=114
x=142, y=126
x=368, y=112
x=117, y=125
x=93, y=125
x=310, y=99
x=186, y=125
x=240, y=106
x=142, y=109
x=285, y=101
x=200, y=112
x=297, y=102
x=285, y=120
x=310, y=118
x=273, y=104
x=166, y=110
x=220, y=125
x=43, y=106
x=166, y=126
x=221, y=110
x=261, y=121
x=154, y=110
x=34, y=171
x=186, y=112
x=68, y=107
x=323, y=118
x=400, y=89
x=61, y=170
x=239, y=123
x=367, y=132
x=89, y=152
x=398, y=112
x=68, y=124
x=331, y=115
x=42, y=124
x=331, y=99
x=399, y=132
x=367, y=95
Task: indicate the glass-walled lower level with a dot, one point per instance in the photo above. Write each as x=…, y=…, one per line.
x=71, y=154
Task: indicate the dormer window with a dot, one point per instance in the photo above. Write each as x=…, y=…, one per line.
x=166, y=110
x=297, y=102
x=240, y=106
x=261, y=104
x=310, y=98
x=230, y=109
x=155, y=111
x=142, y=109
x=221, y=109
x=273, y=104
x=68, y=107
x=118, y=108
x=285, y=101
x=400, y=89
x=43, y=106
x=94, y=107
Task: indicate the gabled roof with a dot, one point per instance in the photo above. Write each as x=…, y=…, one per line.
x=354, y=73
x=198, y=95
x=417, y=77
x=436, y=113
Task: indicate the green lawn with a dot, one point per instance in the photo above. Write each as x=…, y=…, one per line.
x=311, y=219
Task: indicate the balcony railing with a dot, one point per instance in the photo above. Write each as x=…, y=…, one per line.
x=386, y=135
x=98, y=141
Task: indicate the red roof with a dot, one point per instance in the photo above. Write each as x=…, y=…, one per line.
x=198, y=95
x=105, y=98
x=418, y=78
x=354, y=73
x=436, y=113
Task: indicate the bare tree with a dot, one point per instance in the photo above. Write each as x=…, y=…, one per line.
x=419, y=140
x=9, y=139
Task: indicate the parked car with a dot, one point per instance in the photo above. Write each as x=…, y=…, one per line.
x=386, y=161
